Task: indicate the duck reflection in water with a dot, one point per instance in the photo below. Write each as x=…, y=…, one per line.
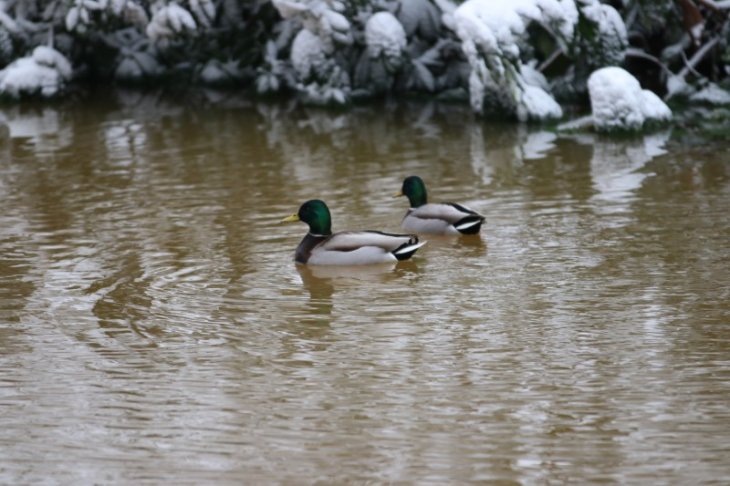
x=322, y=281
x=465, y=246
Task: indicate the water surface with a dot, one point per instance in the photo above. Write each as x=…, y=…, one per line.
x=153, y=326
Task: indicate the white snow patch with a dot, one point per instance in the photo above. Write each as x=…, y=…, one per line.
x=618, y=102
x=497, y=25
x=45, y=71
x=490, y=32
x=537, y=104
x=49, y=57
x=169, y=21
x=321, y=17
x=307, y=51
x=610, y=26
x=712, y=94
x=533, y=77
x=385, y=36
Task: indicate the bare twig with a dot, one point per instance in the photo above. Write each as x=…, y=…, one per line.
x=698, y=56
x=547, y=62
x=638, y=53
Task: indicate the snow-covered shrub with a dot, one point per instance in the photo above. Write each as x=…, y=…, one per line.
x=44, y=72
x=169, y=22
x=385, y=39
x=619, y=103
x=605, y=41
x=491, y=32
x=87, y=14
x=419, y=18
x=511, y=57
x=320, y=78
x=216, y=72
x=600, y=40
x=321, y=17
x=308, y=53
x=274, y=73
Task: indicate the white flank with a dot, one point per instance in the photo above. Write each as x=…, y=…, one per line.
x=366, y=255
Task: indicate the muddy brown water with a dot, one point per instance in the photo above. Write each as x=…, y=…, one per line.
x=153, y=326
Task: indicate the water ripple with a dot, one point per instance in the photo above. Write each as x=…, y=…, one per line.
x=154, y=326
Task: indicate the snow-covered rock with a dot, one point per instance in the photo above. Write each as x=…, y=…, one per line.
x=44, y=72
x=618, y=102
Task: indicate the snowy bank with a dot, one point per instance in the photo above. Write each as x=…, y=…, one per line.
x=619, y=103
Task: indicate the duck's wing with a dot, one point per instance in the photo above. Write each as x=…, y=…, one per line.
x=449, y=212
x=352, y=240
x=464, y=210
x=445, y=218
x=364, y=247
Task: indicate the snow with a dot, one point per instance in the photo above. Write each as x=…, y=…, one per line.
x=49, y=57
x=611, y=29
x=712, y=94
x=170, y=21
x=45, y=71
x=385, y=36
x=321, y=17
x=204, y=11
x=307, y=52
x=496, y=26
x=419, y=16
x=537, y=104
x=618, y=102
x=289, y=9
x=491, y=32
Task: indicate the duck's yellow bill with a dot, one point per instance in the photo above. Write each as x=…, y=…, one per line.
x=398, y=194
x=290, y=219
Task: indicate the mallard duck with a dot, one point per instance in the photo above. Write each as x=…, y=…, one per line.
x=436, y=218
x=322, y=247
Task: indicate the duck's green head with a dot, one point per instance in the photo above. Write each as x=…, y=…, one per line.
x=415, y=190
x=316, y=214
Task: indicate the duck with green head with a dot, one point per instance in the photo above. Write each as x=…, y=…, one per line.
x=322, y=247
x=436, y=218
